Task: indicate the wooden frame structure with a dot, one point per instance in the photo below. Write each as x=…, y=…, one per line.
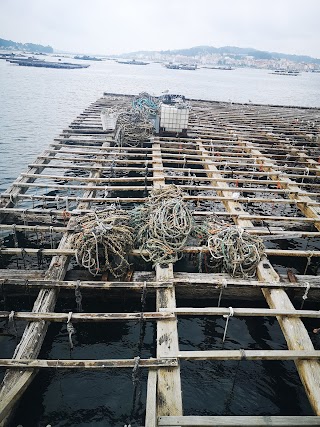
x=236, y=162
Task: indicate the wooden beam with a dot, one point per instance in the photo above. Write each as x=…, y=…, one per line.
x=169, y=394
x=250, y=355
x=151, y=403
x=86, y=364
x=35, y=280
x=239, y=312
x=137, y=252
x=85, y=317
x=239, y=421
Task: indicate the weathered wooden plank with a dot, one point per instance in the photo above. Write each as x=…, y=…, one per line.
x=35, y=279
x=151, y=403
x=241, y=312
x=169, y=395
x=256, y=173
x=240, y=199
x=239, y=421
x=32, y=283
x=85, y=317
x=137, y=252
x=249, y=355
x=87, y=364
x=148, y=187
x=23, y=215
x=12, y=274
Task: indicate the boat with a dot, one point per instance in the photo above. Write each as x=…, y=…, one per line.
x=133, y=62
x=34, y=62
x=220, y=68
x=286, y=72
x=87, y=58
x=181, y=66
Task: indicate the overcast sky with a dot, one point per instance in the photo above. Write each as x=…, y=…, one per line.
x=118, y=26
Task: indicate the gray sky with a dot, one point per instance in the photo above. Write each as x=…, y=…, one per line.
x=118, y=26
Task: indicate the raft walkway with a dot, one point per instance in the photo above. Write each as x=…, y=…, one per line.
x=246, y=163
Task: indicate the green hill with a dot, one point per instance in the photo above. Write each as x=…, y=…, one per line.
x=30, y=47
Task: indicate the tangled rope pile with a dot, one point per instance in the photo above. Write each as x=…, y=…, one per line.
x=235, y=252
x=132, y=128
x=162, y=226
x=146, y=104
x=104, y=242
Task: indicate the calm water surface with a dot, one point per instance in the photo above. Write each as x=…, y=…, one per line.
x=36, y=104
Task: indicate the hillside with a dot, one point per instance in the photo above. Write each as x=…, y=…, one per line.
x=30, y=47
x=233, y=51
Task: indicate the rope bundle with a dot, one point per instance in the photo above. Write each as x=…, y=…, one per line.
x=162, y=226
x=235, y=252
x=132, y=128
x=146, y=103
x=104, y=241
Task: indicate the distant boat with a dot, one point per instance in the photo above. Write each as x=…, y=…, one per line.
x=133, y=62
x=286, y=72
x=220, y=68
x=172, y=66
x=33, y=62
x=87, y=58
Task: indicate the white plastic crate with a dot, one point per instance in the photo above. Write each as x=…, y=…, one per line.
x=173, y=118
x=108, y=119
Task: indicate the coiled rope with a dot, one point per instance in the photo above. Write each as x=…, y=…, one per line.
x=235, y=252
x=132, y=128
x=146, y=103
x=104, y=242
x=162, y=226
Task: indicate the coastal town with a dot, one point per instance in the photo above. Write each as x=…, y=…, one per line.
x=227, y=58
x=230, y=61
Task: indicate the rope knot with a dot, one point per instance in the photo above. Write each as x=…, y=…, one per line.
x=70, y=329
x=231, y=313
x=305, y=295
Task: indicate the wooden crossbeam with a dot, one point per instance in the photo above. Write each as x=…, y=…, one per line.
x=84, y=317
x=239, y=421
x=180, y=280
x=59, y=199
x=60, y=214
x=250, y=355
x=137, y=252
x=87, y=364
x=240, y=312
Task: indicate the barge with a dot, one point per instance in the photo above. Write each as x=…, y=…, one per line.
x=251, y=166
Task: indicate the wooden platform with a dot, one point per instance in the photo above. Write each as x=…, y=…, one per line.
x=255, y=166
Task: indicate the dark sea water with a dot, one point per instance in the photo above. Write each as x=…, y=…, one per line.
x=36, y=104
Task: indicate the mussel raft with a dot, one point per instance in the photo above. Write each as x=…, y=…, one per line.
x=239, y=183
